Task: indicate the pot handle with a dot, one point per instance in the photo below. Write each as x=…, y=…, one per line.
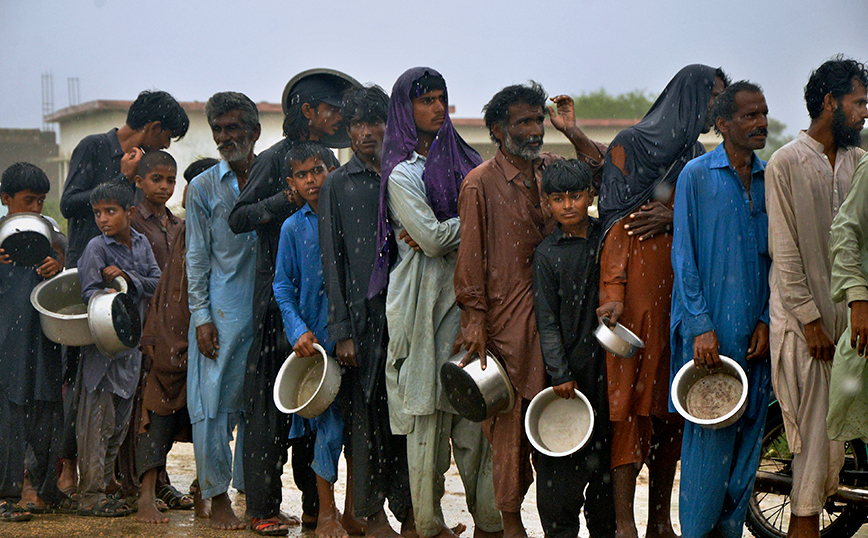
x=120, y=284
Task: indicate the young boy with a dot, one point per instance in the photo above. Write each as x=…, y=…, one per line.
x=299, y=290
x=109, y=384
x=30, y=384
x=566, y=278
x=156, y=179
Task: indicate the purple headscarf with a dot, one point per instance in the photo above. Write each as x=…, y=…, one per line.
x=449, y=160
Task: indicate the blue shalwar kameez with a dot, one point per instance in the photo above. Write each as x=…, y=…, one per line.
x=220, y=271
x=721, y=264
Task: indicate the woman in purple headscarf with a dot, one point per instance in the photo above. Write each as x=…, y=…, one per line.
x=424, y=162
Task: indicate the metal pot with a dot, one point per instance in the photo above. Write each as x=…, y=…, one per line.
x=306, y=386
x=690, y=374
x=26, y=238
x=557, y=426
x=339, y=81
x=477, y=394
x=618, y=340
x=62, y=313
x=113, y=319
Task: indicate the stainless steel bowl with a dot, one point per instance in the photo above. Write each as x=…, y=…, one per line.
x=306, y=386
x=62, y=313
x=477, y=394
x=26, y=238
x=113, y=320
x=690, y=374
x=618, y=340
x=557, y=426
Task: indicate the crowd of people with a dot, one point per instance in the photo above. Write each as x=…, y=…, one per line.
x=416, y=249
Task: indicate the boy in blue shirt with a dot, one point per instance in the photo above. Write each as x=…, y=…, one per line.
x=566, y=278
x=300, y=292
x=109, y=384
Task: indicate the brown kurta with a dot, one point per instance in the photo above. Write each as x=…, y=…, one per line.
x=161, y=238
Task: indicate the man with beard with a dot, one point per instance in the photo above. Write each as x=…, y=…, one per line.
x=348, y=204
x=502, y=222
x=808, y=180
x=312, y=112
x=220, y=270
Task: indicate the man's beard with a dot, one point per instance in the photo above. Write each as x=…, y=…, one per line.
x=845, y=136
x=520, y=147
x=233, y=152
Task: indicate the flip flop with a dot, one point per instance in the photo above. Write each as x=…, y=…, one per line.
x=174, y=499
x=268, y=526
x=108, y=507
x=13, y=513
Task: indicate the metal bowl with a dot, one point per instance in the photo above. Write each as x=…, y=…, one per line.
x=618, y=340
x=474, y=393
x=113, y=320
x=62, y=313
x=306, y=386
x=26, y=238
x=332, y=77
x=557, y=426
x=690, y=374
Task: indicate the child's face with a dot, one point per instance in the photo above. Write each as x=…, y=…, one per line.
x=158, y=183
x=111, y=218
x=307, y=178
x=24, y=201
x=569, y=208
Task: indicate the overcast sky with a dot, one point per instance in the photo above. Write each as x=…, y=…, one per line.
x=194, y=48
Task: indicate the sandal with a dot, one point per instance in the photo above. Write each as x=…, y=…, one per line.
x=271, y=526
x=108, y=507
x=174, y=498
x=13, y=513
x=67, y=505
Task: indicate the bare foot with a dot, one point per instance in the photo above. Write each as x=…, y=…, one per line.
x=148, y=513
x=288, y=520
x=479, y=533
x=308, y=521
x=329, y=526
x=378, y=526
x=408, y=527
x=68, y=479
x=513, y=527
x=624, y=531
x=201, y=507
x=355, y=526
x=222, y=515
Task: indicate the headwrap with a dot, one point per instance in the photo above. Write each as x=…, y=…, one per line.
x=659, y=146
x=449, y=159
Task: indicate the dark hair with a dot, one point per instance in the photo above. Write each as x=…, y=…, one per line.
x=427, y=83
x=158, y=106
x=295, y=125
x=152, y=159
x=721, y=74
x=113, y=191
x=222, y=102
x=834, y=77
x=198, y=166
x=304, y=150
x=496, y=111
x=566, y=175
x=21, y=176
x=724, y=106
x=369, y=104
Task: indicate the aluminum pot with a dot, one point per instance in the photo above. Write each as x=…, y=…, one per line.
x=477, y=394
x=26, y=238
x=557, y=426
x=306, y=386
x=690, y=374
x=62, y=313
x=113, y=319
x=618, y=340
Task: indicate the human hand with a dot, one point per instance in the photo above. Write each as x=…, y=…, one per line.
x=705, y=348
x=345, y=352
x=565, y=118
x=49, y=267
x=405, y=237
x=859, y=326
x=473, y=338
x=566, y=390
x=207, y=339
x=610, y=312
x=820, y=344
x=759, y=342
x=304, y=346
x=651, y=219
x=4, y=258
x=130, y=163
x=112, y=272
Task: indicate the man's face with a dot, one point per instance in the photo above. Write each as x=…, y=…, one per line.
x=156, y=137
x=366, y=138
x=849, y=116
x=111, y=218
x=233, y=138
x=158, y=185
x=307, y=177
x=716, y=90
x=429, y=111
x=748, y=127
x=522, y=136
x=324, y=121
x=24, y=201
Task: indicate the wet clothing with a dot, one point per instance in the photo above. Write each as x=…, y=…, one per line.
x=215, y=465
x=154, y=444
x=160, y=237
x=728, y=294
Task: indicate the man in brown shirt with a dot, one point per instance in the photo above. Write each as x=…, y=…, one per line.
x=502, y=222
x=156, y=179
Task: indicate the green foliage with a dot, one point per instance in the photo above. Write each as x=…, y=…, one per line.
x=601, y=104
x=775, y=140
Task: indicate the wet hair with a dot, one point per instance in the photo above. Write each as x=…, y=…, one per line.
x=24, y=176
x=295, y=125
x=496, y=111
x=834, y=77
x=113, y=192
x=724, y=106
x=222, y=102
x=721, y=74
x=304, y=150
x=153, y=159
x=198, y=166
x=369, y=104
x=427, y=83
x=566, y=175
x=158, y=106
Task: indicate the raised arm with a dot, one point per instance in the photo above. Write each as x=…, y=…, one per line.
x=262, y=203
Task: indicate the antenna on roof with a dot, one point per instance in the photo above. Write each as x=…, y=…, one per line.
x=47, y=100
x=73, y=90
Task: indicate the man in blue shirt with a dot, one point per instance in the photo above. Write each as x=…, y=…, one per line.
x=720, y=307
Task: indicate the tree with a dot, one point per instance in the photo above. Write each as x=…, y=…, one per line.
x=775, y=139
x=601, y=104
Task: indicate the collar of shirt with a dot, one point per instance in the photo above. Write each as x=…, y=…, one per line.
x=719, y=159
x=225, y=170
x=115, y=144
x=356, y=166
x=509, y=170
x=559, y=236
x=806, y=139
x=146, y=213
x=135, y=237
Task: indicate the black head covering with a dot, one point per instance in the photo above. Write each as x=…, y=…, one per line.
x=659, y=146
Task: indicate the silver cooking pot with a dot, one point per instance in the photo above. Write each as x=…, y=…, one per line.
x=618, y=340
x=62, y=313
x=26, y=238
x=114, y=320
x=474, y=393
